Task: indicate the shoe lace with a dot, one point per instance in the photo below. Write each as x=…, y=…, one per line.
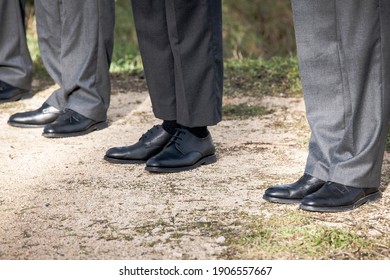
x=149, y=133
x=71, y=115
x=176, y=138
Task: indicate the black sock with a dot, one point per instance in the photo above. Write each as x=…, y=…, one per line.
x=170, y=126
x=200, y=131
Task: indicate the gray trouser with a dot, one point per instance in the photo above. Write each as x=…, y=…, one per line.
x=76, y=42
x=344, y=57
x=15, y=61
x=181, y=48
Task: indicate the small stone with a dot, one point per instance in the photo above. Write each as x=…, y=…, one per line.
x=374, y=233
x=156, y=230
x=220, y=240
x=203, y=220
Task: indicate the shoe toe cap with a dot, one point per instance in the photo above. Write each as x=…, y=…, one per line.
x=315, y=200
x=18, y=117
x=49, y=129
x=114, y=152
x=277, y=192
x=153, y=162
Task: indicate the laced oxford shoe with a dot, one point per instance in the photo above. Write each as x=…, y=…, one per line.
x=183, y=152
x=334, y=197
x=42, y=116
x=10, y=93
x=70, y=124
x=150, y=144
x=295, y=192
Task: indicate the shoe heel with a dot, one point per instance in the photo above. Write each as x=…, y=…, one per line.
x=209, y=160
x=373, y=197
x=101, y=125
x=27, y=94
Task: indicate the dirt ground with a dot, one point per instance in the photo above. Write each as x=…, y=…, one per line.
x=60, y=200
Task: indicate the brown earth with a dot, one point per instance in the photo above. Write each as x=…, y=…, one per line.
x=60, y=200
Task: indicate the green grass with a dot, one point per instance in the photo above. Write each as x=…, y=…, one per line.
x=243, y=111
x=283, y=234
x=278, y=76
x=126, y=57
x=296, y=235
x=303, y=242
x=129, y=64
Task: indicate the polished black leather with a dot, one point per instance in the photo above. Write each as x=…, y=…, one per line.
x=295, y=192
x=42, y=116
x=70, y=123
x=334, y=197
x=184, y=151
x=150, y=144
x=10, y=93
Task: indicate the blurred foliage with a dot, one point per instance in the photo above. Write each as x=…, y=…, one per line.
x=258, y=45
x=254, y=28
x=126, y=54
x=251, y=28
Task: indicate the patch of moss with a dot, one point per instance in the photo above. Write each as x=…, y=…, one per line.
x=243, y=111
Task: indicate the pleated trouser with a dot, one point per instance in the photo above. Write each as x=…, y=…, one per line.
x=15, y=60
x=76, y=42
x=181, y=48
x=344, y=57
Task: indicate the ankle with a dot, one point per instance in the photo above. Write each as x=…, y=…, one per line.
x=170, y=126
x=200, y=132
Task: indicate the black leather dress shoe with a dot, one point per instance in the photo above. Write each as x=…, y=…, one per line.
x=150, y=144
x=10, y=93
x=183, y=152
x=334, y=197
x=71, y=123
x=295, y=192
x=42, y=116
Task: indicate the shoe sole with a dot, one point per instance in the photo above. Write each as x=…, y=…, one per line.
x=21, y=95
x=281, y=200
x=203, y=161
x=24, y=125
x=97, y=126
x=123, y=161
x=369, y=198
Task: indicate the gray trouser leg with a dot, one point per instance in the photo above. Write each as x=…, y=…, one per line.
x=181, y=48
x=15, y=60
x=344, y=57
x=76, y=41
